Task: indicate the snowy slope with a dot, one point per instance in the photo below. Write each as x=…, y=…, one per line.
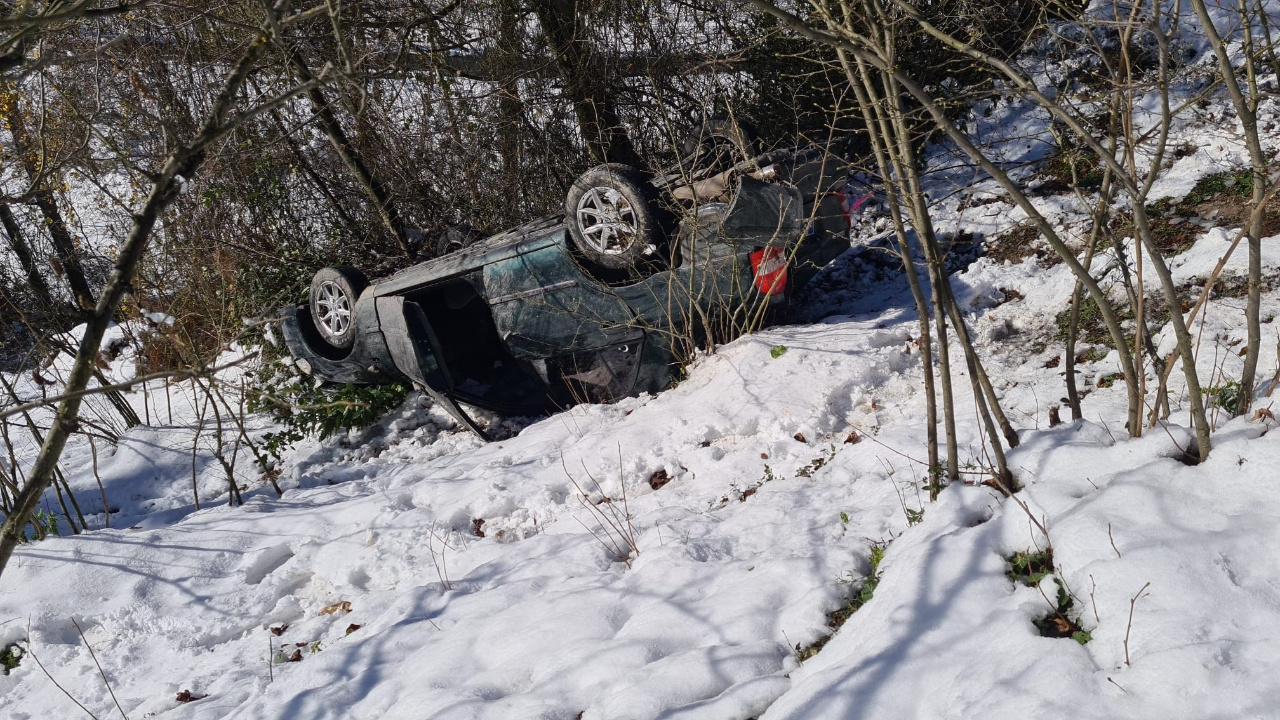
x=539, y=619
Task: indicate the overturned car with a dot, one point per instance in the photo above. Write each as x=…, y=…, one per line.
x=592, y=305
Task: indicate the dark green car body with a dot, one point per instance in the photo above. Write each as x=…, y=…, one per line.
x=520, y=324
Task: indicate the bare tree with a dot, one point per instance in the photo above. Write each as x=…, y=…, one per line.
x=34, y=161
x=377, y=190
x=1130, y=176
x=563, y=24
x=178, y=169
x=1245, y=101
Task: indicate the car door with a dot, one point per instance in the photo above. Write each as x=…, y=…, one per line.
x=415, y=349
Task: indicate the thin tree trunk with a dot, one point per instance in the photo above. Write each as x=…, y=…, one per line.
x=64, y=245
x=878, y=145
x=892, y=145
x=374, y=187
x=1180, y=334
x=593, y=102
x=60, y=484
x=1246, y=110
x=980, y=373
x=102, y=490
x=22, y=251
x=1073, y=330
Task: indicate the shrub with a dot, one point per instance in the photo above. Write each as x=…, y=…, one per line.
x=837, y=618
x=11, y=657
x=305, y=408
x=1211, y=187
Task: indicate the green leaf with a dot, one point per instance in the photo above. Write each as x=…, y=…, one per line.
x=868, y=590
x=877, y=556
x=11, y=657
x=778, y=351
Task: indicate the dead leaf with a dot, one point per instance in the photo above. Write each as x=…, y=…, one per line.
x=278, y=630
x=353, y=627
x=296, y=656
x=187, y=696
x=799, y=437
x=341, y=606
x=1261, y=413
x=659, y=478
x=764, y=456
x=853, y=438
x=477, y=527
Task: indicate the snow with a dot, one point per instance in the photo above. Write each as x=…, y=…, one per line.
x=417, y=572
x=737, y=565
x=1193, y=541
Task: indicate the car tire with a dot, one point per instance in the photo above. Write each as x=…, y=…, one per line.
x=455, y=238
x=720, y=143
x=614, y=217
x=334, y=291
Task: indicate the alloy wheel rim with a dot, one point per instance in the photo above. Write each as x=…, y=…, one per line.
x=607, y=220
x=335, y=309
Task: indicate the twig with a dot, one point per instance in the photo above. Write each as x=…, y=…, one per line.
x=1113, y=540
x=442, y=567
x=195, y=446
x=106, y=508
x=902, y=501
x=619, y=533
x=126, y=386
x=1132, y=601
x=1094, y=586
x=1276, y=378
x=31, y=651
x=102, y=674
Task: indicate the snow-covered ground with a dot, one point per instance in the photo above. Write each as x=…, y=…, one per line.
x=676, y=556
x=738, y=559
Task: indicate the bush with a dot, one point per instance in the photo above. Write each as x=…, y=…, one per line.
x=11, y=657
x=1211, y=187
x=304, y=408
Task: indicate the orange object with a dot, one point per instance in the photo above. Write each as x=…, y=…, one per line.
x=770, y=268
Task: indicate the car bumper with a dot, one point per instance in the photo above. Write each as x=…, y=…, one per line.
x=366, y=363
